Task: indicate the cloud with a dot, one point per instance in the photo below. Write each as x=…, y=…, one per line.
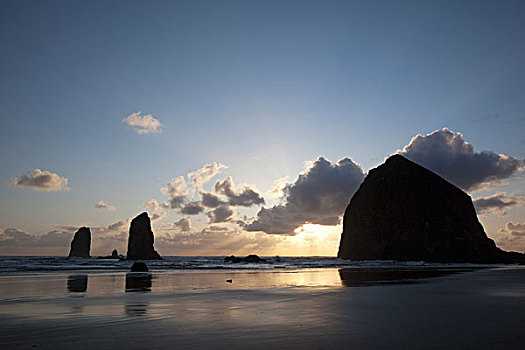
x=41, y=181
x=177, y=190
x=104, y=239
x=204, y=174
x=14, y=241
x=318, y=196
x=119, y=226
x=12, y=236
x=216, y=240
x=192, y=208
x=246, y=197
x=183, y=224
x=278, y=187
x=221, y=214
x=102, y=205
x=512, y=237
x=209, y=200
x=143, y=124
x=497, y=203
x=155, y=209
x=447, y=154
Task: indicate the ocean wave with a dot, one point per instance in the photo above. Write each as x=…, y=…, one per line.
x=44, y=264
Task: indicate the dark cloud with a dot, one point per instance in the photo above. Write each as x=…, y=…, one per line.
x=41, y=181
x=192, y=208
x=120, y=226
x=496, y=203
x=16, y=237
x=183, y=224
x=447, y=154
x=209, y=200
x=221, y=214
x=245, y=198
x=318, y=196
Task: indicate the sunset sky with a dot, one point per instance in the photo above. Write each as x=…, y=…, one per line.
x=246, y=126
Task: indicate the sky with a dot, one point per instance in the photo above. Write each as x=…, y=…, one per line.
x=246, y=126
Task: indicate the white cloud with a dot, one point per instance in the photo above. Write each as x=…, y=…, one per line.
x=102, y=205
x=449, y=155
x=143, y=124
x=41, y=181
x=205, y=174
x=318, y=196
x=156, y=209
x=277, y=190
x=177, y=190
x=512, y=237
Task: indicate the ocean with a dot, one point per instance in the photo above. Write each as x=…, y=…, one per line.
x=10, y=265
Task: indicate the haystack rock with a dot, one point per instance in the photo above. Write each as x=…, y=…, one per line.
x=140, y=242
x=81, y=244
x=405, y=212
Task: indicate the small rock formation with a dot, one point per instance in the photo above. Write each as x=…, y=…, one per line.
x=81, y=244
x=114, y=255
x=140, y=242
x=405, y=212
x=249, y=259
x=139, y=267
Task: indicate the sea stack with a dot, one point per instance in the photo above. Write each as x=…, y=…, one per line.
x=140, y=242
x=81, y=244
x=403, y=211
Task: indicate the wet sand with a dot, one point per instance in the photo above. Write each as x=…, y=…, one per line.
x=307, y=309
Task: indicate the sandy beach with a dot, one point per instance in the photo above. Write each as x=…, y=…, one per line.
x=309, y=309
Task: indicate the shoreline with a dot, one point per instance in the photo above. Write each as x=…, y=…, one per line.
x=482, y=308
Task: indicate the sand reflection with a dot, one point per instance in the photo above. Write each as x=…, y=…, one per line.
x=136, y=309
x=77, y=283
x=138, y=282
x=381, y=276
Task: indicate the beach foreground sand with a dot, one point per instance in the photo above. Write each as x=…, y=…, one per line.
x=312, y=309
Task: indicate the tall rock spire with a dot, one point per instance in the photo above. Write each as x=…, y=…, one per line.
x=81, y=244
x=140, y=242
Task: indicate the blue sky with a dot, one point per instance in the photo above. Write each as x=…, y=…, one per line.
x=260, y=86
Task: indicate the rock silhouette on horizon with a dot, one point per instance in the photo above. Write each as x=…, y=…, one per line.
x=140, y=241
x=403, y=211
x=139, y=266
x=81, y=244
x=248, y=259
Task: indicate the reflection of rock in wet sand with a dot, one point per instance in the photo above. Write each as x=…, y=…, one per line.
x=134, y=310
x=138, y=282
x=77, y=283
x=371, y=277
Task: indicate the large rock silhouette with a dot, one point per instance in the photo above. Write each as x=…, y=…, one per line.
x=405, y=212
x=140, y=242
x=81, y=244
